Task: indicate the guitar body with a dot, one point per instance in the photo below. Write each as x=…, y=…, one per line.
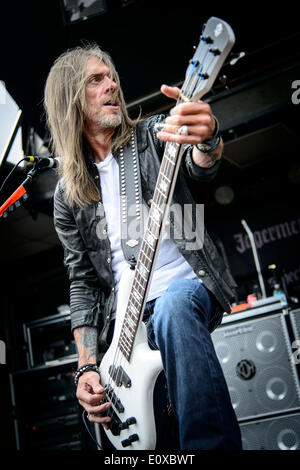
x=143, y=370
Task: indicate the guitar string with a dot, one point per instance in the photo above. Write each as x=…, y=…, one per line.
x=120, y=359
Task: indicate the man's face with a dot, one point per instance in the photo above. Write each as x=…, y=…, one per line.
x=103, y=107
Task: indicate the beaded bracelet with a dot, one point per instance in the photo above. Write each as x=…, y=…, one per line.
x=83, y=369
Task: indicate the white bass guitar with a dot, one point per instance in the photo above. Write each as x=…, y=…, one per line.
x=129, y=369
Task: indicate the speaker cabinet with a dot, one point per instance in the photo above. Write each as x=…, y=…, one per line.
x=279, y=433
x=295, y=321
x=255, y=356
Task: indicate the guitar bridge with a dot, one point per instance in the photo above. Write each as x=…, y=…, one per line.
x=116, y=425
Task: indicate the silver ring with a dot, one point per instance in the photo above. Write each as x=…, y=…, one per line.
x=183, y=130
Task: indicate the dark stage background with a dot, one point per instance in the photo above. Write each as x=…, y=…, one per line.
x=257, y=104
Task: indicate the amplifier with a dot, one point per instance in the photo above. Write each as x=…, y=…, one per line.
x=45, y=391
x=46, y=411
x=256, y=358
x=46, y=434
x=295, y=321
x=49, y=340
x=276, y=433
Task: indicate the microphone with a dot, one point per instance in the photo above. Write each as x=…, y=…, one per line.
x=43, y=162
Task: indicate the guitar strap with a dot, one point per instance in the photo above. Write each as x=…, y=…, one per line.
x=130, y=201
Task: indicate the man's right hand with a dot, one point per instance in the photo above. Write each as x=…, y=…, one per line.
x=90, y=394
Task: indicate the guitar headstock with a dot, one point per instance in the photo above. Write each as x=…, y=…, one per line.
x=216, y=41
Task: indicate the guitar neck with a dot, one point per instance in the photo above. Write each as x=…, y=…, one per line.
x=150, y=245
x=215, y=44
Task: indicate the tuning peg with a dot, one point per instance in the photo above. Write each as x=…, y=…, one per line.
x=207, y=39
x=236, y=57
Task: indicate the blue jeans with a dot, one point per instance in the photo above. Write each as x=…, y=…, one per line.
x=179, y=323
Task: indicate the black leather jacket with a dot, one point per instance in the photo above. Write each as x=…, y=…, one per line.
x=88, y=257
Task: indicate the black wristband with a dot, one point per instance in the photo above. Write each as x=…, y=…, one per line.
x=210, y=145
x=83, y=369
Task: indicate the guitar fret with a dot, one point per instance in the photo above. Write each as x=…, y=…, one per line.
x=161, y=192
x=163, y=186
x=125, y=352
x=143, y=251
x=147, y=250
x=156, y=206
x=122, y=349
x=126, y=330
x=172, y=150
x=135, y=300
x=139, y=283
x=169, y=160
x=141, y=279
x=125, y=340
x=156, y=222
x=150, y=247
x=130, y=322
x=150, y=238
x=124, y=346
x=136, y=295
x=165, y=176
x=168, y=163
x=145, y=261
x=142, y=270
x=134, y=313
x=155, y=216
x=153, y=235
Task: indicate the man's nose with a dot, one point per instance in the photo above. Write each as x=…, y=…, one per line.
x=110, y=85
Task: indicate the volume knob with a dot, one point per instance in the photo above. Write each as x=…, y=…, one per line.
x=132, y=438
x=127, y=423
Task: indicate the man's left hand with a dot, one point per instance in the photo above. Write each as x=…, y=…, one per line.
x=201, y=126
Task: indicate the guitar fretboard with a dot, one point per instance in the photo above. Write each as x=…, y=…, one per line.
x=215, y=44
x=149, y=247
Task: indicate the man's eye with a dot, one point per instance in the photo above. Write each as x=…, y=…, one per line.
x=96, y=79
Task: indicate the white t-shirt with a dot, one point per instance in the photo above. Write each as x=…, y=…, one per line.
x=170, y=264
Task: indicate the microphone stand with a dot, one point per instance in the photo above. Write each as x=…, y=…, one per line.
x=19, y=192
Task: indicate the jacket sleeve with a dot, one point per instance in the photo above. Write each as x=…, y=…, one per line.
x=190, y=169
x=84, y=284
x=197, y=172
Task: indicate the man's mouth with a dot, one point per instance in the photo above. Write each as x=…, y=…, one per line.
x=113, y=104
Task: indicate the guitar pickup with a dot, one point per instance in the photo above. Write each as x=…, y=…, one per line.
x=119, y=376
x=114, y=400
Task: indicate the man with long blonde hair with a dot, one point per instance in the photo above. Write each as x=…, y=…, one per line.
x=190, y=288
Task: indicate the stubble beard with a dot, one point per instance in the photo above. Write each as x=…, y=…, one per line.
x=104, y=121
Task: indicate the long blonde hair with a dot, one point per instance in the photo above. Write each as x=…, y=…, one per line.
x=64, y=103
